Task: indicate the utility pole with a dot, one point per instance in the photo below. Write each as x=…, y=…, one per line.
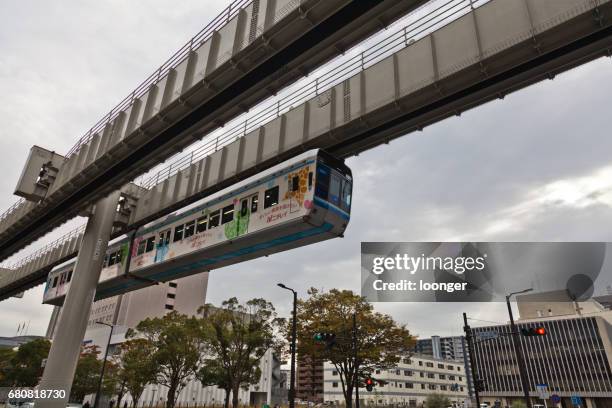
x=66, y=347
x=293, y=346
x=468, y=338
x=356, y=360
x=520, y=360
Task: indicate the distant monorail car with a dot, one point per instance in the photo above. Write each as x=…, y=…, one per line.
x=301, y=201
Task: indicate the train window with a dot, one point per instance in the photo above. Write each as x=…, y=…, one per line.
x=150, y=244
x=69, y=276
x=201, y=226
x=111, y=259
x=227, y=214
x=323, y=176
x=334, y=189
x=310, y=180
x=271, y=197
x=346, y=195
x=141, y=247
x=164, y=238
x=189, y=229
x=244, y=207
x=254, y=202
x=178, y=233
x=55, y=281
x=295, y=183
x=213, y=219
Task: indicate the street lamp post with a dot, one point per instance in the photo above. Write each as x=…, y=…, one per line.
x=293, y=342
x=520, y=360
x=97, y=400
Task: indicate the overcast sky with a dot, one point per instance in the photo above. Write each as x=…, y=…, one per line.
x=534, y=167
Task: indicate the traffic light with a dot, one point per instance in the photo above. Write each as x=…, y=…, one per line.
x=533, y=331
x=328, y=338
x=369, y=383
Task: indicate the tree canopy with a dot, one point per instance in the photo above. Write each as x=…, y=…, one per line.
x=177, y=346
x=87, y=374
x=380, y=341
x=23, y=367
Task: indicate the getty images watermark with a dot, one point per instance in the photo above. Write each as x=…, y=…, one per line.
x=482, y=271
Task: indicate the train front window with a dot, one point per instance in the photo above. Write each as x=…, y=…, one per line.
x=69, y=276
x=323, y=178
x=271, y=197
x=228, y=214
x=213, y=219
x=334, y=189
x=345, y=196
x=55, y=282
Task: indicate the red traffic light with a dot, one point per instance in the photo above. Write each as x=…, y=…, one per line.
x=533, y=331
x=369, y=381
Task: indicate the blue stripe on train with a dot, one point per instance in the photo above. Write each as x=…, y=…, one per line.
x=245, y=251
x=322, y=203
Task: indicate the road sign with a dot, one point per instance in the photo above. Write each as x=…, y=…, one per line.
x=576, y=400
x=542, y=390
x=487, y=335
x=555, y=399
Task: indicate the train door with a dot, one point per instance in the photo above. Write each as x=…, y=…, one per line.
x=163, y=243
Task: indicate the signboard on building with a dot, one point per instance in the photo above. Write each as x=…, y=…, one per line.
x=542, y=390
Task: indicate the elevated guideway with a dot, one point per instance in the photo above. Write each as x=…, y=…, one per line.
x=253, y=49
x=409, y=81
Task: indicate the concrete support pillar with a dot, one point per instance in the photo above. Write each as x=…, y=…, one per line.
x=65, y=349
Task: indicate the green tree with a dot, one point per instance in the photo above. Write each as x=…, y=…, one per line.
x=518, y=404
x=114, y=382
x=437, y=401
x=237, y=336
x=139, y=367
x=381, y=342
x=23, y=367
x=6, y=365
x=176, y=341
x=87, y=374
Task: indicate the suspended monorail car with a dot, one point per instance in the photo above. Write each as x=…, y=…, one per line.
x=301, y=201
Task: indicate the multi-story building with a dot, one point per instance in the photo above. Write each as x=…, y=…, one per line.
x=309, y=379
x=409, y=384
x=573, y=360
x=449, y=348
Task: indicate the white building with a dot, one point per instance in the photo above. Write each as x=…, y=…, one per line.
x=408, y=384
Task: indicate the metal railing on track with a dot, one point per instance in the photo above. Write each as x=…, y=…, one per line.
x=442, y=13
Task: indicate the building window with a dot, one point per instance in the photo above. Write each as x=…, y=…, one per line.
x=442, y=377
x=169, y=307
x=397, y=372
x=377, y=371
x=172, y=284
x=443, y=387
x=334, y=372
x=431, y=375
x=420, y=363
x=440, y=365
x=171, y=295
x=422, y=374
x=408, y=373
x=271, y=197
x=409, y=385
x=450, y=367
x=335, y=384
x=432, y=386
x=429, y=364
x=451, y=377
x=459, y=378
x=422, y=386
x=458, y=368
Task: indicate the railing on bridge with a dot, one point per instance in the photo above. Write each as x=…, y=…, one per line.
x=441, y=13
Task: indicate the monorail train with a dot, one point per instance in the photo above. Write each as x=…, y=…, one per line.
x=301, y=201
